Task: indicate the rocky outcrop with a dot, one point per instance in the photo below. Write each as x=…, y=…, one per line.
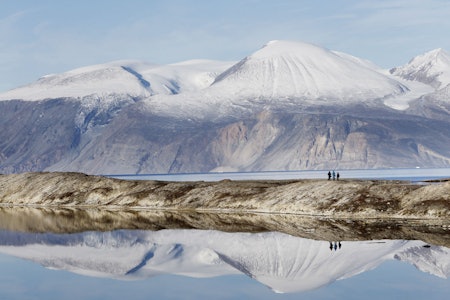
x=338, y=199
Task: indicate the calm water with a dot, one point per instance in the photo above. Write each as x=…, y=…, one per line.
x=211, y=264
x=416, y=174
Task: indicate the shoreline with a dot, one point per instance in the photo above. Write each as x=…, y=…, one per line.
x=346, y=198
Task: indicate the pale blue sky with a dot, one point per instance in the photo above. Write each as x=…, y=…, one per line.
x=43, y=37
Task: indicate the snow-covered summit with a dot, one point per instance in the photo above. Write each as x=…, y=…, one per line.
x=301, y=70
x=432, y=68
x=110, y=78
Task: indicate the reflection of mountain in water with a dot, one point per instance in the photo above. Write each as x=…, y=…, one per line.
x=282, y=262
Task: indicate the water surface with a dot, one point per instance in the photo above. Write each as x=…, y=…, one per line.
x=415, y=174
x=187, y=264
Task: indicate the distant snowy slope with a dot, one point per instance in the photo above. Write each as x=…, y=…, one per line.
x=283, y=263
x=443, y=94
x=432, y=260
x=432, y=68
x=132, y=78
x=295, y=69
x=185, y=76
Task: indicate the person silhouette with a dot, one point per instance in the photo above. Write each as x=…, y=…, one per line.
x=329, y=175
x=334, y=175
x=337, y=175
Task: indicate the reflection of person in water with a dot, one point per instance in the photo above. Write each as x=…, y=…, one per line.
x=335, y=246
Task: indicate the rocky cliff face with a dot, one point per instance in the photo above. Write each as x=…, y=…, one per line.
x=135, y=141
x=49, y=136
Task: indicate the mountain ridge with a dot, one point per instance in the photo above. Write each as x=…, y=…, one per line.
x=124, y=77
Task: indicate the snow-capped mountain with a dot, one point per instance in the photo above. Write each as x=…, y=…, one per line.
x=284, y=263
x=432, y=68
x=287, y=106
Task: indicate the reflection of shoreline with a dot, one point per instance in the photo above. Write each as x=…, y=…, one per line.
x=26, y=219
x=282, y=262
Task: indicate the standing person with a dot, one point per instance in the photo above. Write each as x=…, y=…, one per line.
x=329, y=175
x=334, y=175
x=337, y=175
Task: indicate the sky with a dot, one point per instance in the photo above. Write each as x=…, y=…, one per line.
x=46, y=37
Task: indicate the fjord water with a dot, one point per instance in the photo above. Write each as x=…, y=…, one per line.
x=71, y=260
x=413, y=174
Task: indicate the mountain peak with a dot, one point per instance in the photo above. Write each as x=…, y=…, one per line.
x=432, y=67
